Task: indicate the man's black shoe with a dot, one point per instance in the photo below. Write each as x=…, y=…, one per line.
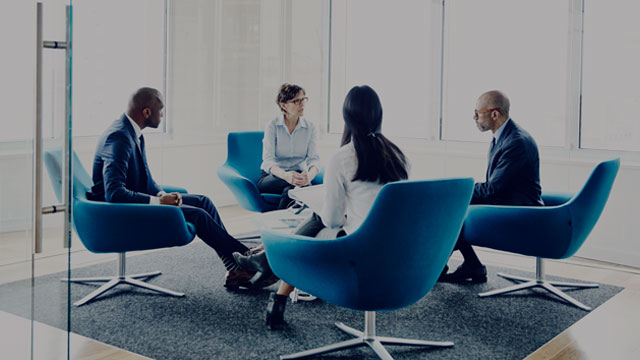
x=467, y=274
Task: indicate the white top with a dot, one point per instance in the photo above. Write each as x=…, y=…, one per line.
x=296, y=151
x=344, y=197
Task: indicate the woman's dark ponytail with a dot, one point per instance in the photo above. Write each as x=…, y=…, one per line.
x=378, y=158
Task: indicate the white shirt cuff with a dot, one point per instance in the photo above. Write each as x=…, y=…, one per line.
x=154, y=200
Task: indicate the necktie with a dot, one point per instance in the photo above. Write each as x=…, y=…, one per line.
x=490, y=160
x=144, y=159
x=141, y=138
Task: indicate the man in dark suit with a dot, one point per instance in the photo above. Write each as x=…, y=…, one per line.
x=121, y=175
x=512, y=178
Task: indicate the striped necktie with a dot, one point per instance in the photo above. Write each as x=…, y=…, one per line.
x=490, y=157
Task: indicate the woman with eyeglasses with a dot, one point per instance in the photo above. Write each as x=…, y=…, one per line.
x=365, y=162
x=289, y=148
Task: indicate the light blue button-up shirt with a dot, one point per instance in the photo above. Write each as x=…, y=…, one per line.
x=296, y=151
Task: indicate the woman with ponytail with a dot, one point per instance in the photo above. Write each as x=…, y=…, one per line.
x=365, y=162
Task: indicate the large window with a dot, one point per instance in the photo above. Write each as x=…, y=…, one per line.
x=610, y=95
x=394, y=47
x=517, y=46
x=258, y=45
x=119, y=46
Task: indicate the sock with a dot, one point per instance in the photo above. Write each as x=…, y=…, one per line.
x=229, y=263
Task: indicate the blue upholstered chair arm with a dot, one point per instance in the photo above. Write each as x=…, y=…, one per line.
x=555, y=198
x=319, y=179
x=109, y=227
x=170, y=189
x=318, y=266
x=243, y=189
x=528, y=230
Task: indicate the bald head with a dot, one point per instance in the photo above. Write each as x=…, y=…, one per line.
x=495, y=99
x=145, y=107
x=492, y=110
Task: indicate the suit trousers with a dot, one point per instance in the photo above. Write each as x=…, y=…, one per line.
x=270, y=184
x=313, y=226
x=200, y=211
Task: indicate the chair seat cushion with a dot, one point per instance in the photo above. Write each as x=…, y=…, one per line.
x=271, y=201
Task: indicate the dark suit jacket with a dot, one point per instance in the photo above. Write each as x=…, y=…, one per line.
x=513, y=173
x=120, y=172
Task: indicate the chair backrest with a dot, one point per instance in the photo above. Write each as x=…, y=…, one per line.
x=586, y=207
x=244, y=153
x=82, y=182
x=397, y=254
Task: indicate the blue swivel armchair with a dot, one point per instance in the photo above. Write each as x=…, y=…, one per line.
x=390, y=262
x=554, y=231
x=119, y=228
x=242, y=169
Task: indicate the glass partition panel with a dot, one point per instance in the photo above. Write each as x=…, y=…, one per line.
x=27, y=260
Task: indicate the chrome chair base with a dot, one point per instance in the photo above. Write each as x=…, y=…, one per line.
x=121, y=278
x=298, y=295
x=539, y=281
x=368, y=338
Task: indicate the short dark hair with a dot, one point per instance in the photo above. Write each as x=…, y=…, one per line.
x=144, y=97
x=288, y=92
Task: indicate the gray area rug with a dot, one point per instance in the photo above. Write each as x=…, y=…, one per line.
x=213, y=323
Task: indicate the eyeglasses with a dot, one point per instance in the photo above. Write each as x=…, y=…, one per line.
x=477, y=113
x=299, y=101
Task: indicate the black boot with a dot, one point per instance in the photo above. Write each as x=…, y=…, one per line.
x=467, y=273
x=275, y=311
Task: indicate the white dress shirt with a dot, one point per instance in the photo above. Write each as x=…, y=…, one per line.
x=296, y=151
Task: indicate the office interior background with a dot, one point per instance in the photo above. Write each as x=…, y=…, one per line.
x=568, y=66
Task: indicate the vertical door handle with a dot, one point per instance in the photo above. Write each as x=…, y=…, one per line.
x=66, y=172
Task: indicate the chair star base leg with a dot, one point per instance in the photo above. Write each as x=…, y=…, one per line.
x=109, y=278
x=550, y=286
x=112, y=282
x=369, y=339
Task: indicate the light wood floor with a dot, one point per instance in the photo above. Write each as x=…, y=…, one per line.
x=608, y=332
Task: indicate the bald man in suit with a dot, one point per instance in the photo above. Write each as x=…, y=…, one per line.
x=512, y=177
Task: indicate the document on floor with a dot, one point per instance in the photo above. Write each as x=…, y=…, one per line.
x=312, y=196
